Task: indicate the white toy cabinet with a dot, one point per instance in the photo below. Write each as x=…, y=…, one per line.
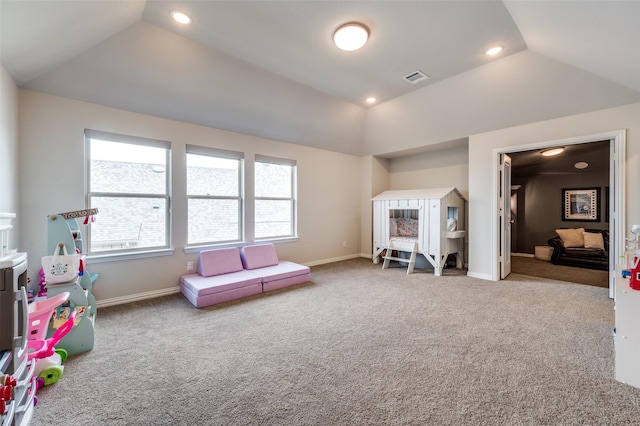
x=627, y=314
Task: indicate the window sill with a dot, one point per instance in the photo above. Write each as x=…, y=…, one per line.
x=197, y=249
x=116, y=257
x=277, y=240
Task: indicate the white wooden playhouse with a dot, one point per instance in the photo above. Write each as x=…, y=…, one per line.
x=419, y=221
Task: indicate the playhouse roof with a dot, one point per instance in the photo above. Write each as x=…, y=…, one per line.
x=417, y=194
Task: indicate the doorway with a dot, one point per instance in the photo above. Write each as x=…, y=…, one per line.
x=615, y=200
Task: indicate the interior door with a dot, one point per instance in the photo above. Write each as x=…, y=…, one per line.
x=504, y=209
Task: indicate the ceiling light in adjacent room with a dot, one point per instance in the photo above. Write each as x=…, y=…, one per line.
x=351, y=36
x=494, y=50
x=181, y=17
x=581, y=165
x=552, y=151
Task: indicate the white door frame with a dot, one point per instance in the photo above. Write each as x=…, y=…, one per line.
x=504, y=214
x=617, y=202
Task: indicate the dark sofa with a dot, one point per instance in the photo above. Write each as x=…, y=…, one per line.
x=592, y=258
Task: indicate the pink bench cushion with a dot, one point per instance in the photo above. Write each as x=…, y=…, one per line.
x=283, y=275
x=219, y=261
x=207, y=291
x=201, y=286
x=284, y=269
x=259, y=256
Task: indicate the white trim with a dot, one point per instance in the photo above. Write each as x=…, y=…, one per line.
x=336, y=259
x=174, y=290
x=617, y=213
x=137, y=297
x=486, y=277
x=117, y=257
x=199, y=248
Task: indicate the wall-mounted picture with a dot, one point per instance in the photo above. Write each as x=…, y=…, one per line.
x=581, y=204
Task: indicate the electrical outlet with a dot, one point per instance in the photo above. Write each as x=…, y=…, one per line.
x=189, y=266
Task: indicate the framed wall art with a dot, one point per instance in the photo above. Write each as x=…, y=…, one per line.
x=581, y=204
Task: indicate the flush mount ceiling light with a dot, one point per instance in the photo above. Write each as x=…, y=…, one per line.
x=581, y=165
x=552, y=151
x=180, y=17
x=351, y=36
x=371, y=100
x=494, y=50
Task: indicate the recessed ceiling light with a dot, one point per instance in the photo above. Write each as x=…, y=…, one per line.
x=181, y=17
x=351, y=36
x=371, y=100
x=581, y=165
x=552, y=151
x=494, y=50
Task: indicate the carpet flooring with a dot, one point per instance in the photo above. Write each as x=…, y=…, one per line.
x=357, y=345
x=544, y=269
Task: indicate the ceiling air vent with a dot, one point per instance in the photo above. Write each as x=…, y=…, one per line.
x=416, y=77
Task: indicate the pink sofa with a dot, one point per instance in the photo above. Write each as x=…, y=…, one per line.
x=229, y=274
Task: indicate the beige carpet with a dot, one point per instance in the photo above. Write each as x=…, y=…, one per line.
x=357, y=346
x=544, y=269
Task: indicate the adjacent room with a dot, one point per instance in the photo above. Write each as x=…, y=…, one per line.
x=145, y=135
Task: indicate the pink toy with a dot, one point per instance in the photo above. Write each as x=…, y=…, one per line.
x=48, y=359
x=45, y=348
x=40, y=313
x=43, y=284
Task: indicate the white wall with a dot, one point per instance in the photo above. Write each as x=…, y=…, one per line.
x=375, y=179
x=51, y=135
x=9, y=152
x=525, y=87
x=436, y=169
x=482, y=256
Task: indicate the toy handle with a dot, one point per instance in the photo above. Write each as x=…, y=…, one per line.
x=62, y=330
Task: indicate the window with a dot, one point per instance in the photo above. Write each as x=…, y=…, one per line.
x=128, y=181
x=275, y=197
x=214, y=195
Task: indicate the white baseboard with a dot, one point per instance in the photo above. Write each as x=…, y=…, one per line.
x=176, y=289
x=480, y=276
x=137, y=297
x=334, y=259
x=173, y=290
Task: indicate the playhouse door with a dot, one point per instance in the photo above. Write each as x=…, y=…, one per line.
x=505, y=215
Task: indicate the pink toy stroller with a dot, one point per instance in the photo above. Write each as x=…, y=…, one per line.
x=48, y=359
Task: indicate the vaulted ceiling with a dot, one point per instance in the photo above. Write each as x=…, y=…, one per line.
x=269, y=68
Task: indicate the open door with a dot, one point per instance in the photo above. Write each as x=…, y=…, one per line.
x=504, y=214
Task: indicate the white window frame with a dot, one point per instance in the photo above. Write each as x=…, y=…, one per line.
x=219, y=153
x=128, y=253
x=293, y=198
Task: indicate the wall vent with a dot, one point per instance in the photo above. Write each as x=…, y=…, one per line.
x=416, y=77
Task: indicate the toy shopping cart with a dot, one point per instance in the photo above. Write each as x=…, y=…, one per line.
x=48, y=358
